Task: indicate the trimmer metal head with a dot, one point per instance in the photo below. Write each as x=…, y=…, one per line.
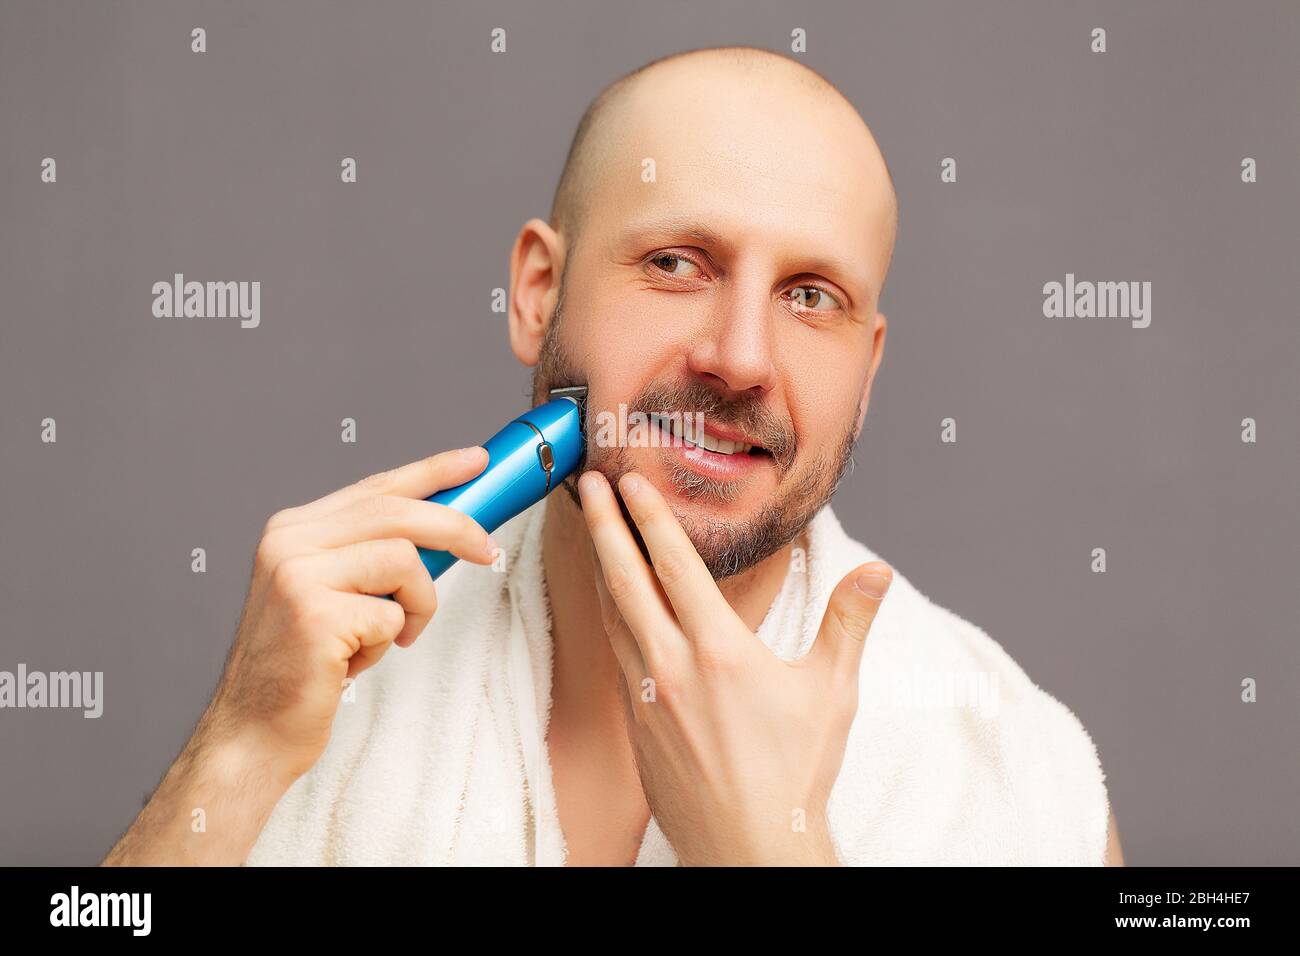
x=578, y=395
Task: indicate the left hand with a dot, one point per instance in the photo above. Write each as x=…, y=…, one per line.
x=737, y=750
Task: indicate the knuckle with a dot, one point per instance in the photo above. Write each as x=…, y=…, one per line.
x=374, y=557
x=303, y=618
x=854, y=618
x=405, y=553
x=275, y=540
x=391, y=618
x=619, y=581
x=474, y=532
x=309, y=620
x=463, y=529
x=394, y=554
x=381, y=506
x=289, y=578
x=377, y=482
x=425, y=603
x=267, y=556
x=393, y=506
x=598, y=524
x=666, y=696
x=713, y=657
x=672, y=566
x=279, y=520
x=432, y=466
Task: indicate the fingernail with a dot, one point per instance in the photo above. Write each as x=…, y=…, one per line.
x=471, y=453
x=630, y=484
x=489, y=546
x=587, y=483
x=873, y=586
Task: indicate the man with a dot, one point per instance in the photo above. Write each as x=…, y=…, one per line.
x=686, y=660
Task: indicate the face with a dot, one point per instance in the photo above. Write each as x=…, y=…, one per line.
x=737, y=288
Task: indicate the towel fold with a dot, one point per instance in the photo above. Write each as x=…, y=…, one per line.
x=955, y=756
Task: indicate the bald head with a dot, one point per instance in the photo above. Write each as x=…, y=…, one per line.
x=608, y=120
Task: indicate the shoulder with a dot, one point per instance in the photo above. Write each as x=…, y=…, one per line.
x=968, y=734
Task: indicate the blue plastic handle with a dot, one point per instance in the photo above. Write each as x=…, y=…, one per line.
x=517, y=474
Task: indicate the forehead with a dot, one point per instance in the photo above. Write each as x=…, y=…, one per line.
x=765, y=161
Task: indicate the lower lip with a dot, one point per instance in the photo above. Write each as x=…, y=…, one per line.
x=711, y=464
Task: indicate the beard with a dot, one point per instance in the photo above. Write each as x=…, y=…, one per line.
x=727, y=547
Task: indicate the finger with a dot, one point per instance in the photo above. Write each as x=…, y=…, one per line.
x=627, y=578
x=624, y=644
x=419, y=479
x=372, y=623
x=696, y=600
x=850, y=612
x=387, y=566
x=426, y=523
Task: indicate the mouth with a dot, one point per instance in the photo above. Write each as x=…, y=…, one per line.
x=683, y=429
x=713, y=453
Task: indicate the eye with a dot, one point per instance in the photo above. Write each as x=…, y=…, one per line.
x=671, y=263
x=813, y=298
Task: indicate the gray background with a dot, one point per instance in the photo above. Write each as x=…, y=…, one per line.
x=175, y=434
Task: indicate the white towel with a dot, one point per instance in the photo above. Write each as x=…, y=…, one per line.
x=955, y=757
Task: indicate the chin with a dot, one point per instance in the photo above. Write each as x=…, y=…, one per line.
x=730, y=514
x=735, y=507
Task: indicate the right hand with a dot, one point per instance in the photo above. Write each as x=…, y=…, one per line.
x=315, y=614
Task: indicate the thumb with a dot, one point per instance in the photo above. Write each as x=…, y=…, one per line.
x=850, y=613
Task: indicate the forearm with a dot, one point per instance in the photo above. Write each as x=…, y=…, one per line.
x=235, y=792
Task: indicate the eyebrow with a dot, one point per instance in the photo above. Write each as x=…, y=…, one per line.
x=682, y=226
x=688, y=228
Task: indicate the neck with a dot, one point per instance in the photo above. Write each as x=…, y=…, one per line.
x=584, y=672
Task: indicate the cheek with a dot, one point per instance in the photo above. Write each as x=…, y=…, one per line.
x=823, y=394
x=623, y=352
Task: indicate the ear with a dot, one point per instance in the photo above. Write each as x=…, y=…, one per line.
x=877, y=353
x=536, y=265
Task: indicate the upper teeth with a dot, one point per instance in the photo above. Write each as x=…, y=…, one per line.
x=683, y=427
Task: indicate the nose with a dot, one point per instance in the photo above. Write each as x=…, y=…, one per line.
x=733, y=353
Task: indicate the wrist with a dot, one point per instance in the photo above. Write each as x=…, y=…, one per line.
x=221, y=800
x=810, y=848
x=239, y=767
x=232, y=750
x=810, y=845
